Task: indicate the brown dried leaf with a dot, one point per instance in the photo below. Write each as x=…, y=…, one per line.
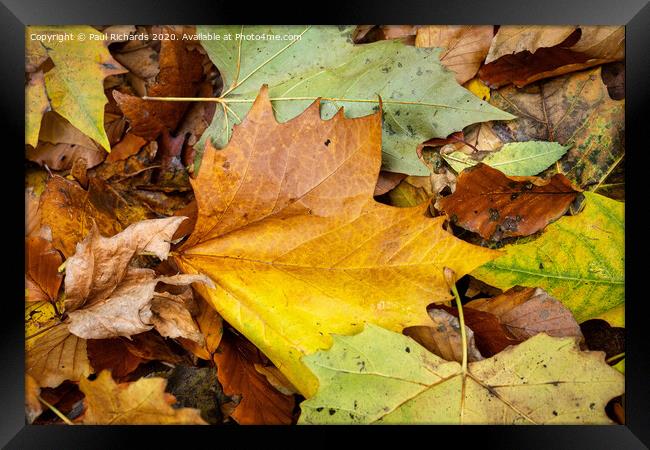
x=387, y=181
x=261, y=403
x=32, y=212
x=113, y=355
x=60, y=144
x=464, y=46
x=596, y=46
x=151, y=346
x=180, y=75
x=572, y=110
x=170, y=316
x=613, y=76
x=276, y=379
x=143, y=402
x=601, y=336
x=130, y=309
x=496, y=206
x=42, y=279
x=100, y=264
x=443, y=337
x=518, y=38
x=210, y=325
x=128, y=146
x=66, y=209
x=56, y=355
x=528, y=311
x=105, y=297
x=491, y=337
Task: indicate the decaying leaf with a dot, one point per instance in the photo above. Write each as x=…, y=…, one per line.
x=128, y=146
x=387, y=181
x=68, y=211
x=180, y=75
x=113, y=355
x=528, y=311
x=106, y=297
x=379, y=376
x=578, y=260
x=490, y=335
x=443, y=337
x=210, y=325
x=518, y=38
x=297, y=251
x=75, y=84
x=143, y=402
x=411, y=82
x=42, y=278
x=261, y=403
x=583, y=48
x=573, y=110
x=496, y=206
x=513, y=159
x=60, y=144
x=601, y=336
x=464, y=46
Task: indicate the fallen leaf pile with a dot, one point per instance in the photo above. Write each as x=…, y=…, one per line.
x=331, y=225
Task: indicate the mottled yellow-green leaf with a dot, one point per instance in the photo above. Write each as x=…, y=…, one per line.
x=379, y=376
x=578, y=259
x=36, y=105
x=75, y=85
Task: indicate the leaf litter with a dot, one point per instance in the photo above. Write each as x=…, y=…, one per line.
x=242, y=232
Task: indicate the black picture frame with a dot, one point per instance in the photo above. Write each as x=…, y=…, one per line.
x=16, y=14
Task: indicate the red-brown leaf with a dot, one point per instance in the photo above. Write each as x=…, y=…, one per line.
x=496, y=206
x=261, y=403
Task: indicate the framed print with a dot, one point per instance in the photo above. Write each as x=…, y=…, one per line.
x=422, y=223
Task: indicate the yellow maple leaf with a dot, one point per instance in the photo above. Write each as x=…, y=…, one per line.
x=290, y=234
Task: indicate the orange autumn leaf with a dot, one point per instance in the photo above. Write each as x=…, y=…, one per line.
x=143, y=402
x=180, y=75
x=42, y=278
x=289, y=232
x=261, y=403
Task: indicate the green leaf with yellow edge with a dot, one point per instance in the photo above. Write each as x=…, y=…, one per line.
x=421, y=98
x=578, y=259
x=75, y=83
x=382, y=377
x=298, y=248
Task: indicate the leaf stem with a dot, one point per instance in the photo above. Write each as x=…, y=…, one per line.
x=450, y=277
x=615, y=357
x=59, y=414
x=222, y=99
